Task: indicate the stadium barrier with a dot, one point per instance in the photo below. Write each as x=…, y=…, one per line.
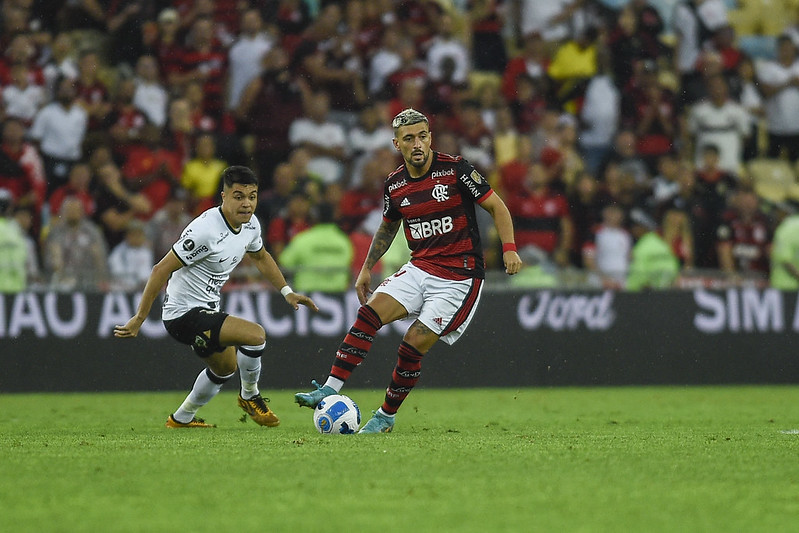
x=524, y=338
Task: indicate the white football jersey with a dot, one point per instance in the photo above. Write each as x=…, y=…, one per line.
x=209, y=250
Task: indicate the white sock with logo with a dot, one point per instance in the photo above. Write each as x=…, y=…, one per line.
x=205, y=388
x=249, y=370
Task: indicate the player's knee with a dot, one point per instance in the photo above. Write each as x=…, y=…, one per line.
x=256, y=337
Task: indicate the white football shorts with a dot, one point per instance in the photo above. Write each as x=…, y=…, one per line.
x=445, y=306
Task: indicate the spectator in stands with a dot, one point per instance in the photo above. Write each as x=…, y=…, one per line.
x=785, y=252
x=268, y=107
x=79, y=186
x=131, y=261
x=721, y=122
x=665, y=184
x=445, y=93
x=411, y=68
x=650, y=111
x=586, y=203
x=75, y=252
x=92, y=93
x=150, y=169
x=600, y=115
x=751, y=98
x=653, y=264
x=21, y=98
x=744, y=236
x=202, y=174
x=117, y=205
x=20, y=51
x=607, y=254
x=203, y=61
x=325, y=140
x=550, y=18
x=541, y=217
x=626, y=48
x=694, y=22
x=532, y=61
x=60, y=63
x=445, y=44
x=295, y=218
x=779, y=82
x=319, y=257
x=272, y=200
x=487, y=19
x=676, y=232
x=358, y=202
x=506, y=136
x=625, y=155
x=178, y=134
x=474, y=137
x=21, y=167
x=166, y=225
x=572, y=66
x=704, y=215
x=150, y=96
x=717, y=182
x=385, y=61
x=246, y=55
x=13, y=276
x=125, y=121
x=165, y=45
x=25, y=219
x=369, y=135
x=59, y=129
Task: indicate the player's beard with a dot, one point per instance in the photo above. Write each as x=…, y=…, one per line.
x=421, y=164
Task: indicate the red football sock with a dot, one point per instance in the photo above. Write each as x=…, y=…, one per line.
x=405, y=376
x=357, y=343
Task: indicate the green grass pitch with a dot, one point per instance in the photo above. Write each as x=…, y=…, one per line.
x=484, y=460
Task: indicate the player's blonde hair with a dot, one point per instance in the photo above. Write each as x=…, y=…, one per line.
x=408, y=117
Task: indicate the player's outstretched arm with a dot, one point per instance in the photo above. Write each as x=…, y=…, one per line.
x=504, y=224
x=268, y=267
x=158, y=278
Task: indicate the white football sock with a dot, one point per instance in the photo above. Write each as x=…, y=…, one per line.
x=250, y=372
x=335, y=383
x=201, y=393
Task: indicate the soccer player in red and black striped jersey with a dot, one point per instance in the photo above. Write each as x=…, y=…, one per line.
x=433, y=196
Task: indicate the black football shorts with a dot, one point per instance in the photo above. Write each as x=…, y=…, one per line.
x=199, y=328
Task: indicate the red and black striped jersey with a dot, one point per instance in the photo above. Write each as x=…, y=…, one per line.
x=438, y=214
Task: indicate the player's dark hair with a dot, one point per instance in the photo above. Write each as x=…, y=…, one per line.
x=238, y=174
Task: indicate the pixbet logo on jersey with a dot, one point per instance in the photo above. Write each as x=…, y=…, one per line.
x=428, y=228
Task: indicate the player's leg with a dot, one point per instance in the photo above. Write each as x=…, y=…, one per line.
x=251, y=341
x=448, y=308
x=417, y=341
x=199, y=328
x=379, y=310
x=221, y=367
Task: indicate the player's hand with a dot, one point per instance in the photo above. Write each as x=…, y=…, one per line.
x=296, y=300
x=131, y=329
x=513, y=263
x=363, y=285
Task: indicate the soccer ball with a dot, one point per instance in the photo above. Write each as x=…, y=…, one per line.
x=337, y=414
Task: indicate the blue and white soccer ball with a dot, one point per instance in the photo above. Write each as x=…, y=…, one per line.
x=337, y=414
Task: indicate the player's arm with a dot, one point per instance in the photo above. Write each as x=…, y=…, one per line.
x=158, y=278
x=504, y=224
x=381, y=242
x=268, y=267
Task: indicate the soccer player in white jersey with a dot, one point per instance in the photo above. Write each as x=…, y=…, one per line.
x=433, y=195
x=195, y=269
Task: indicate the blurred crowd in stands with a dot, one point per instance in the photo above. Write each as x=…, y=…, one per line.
x=637, y=143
